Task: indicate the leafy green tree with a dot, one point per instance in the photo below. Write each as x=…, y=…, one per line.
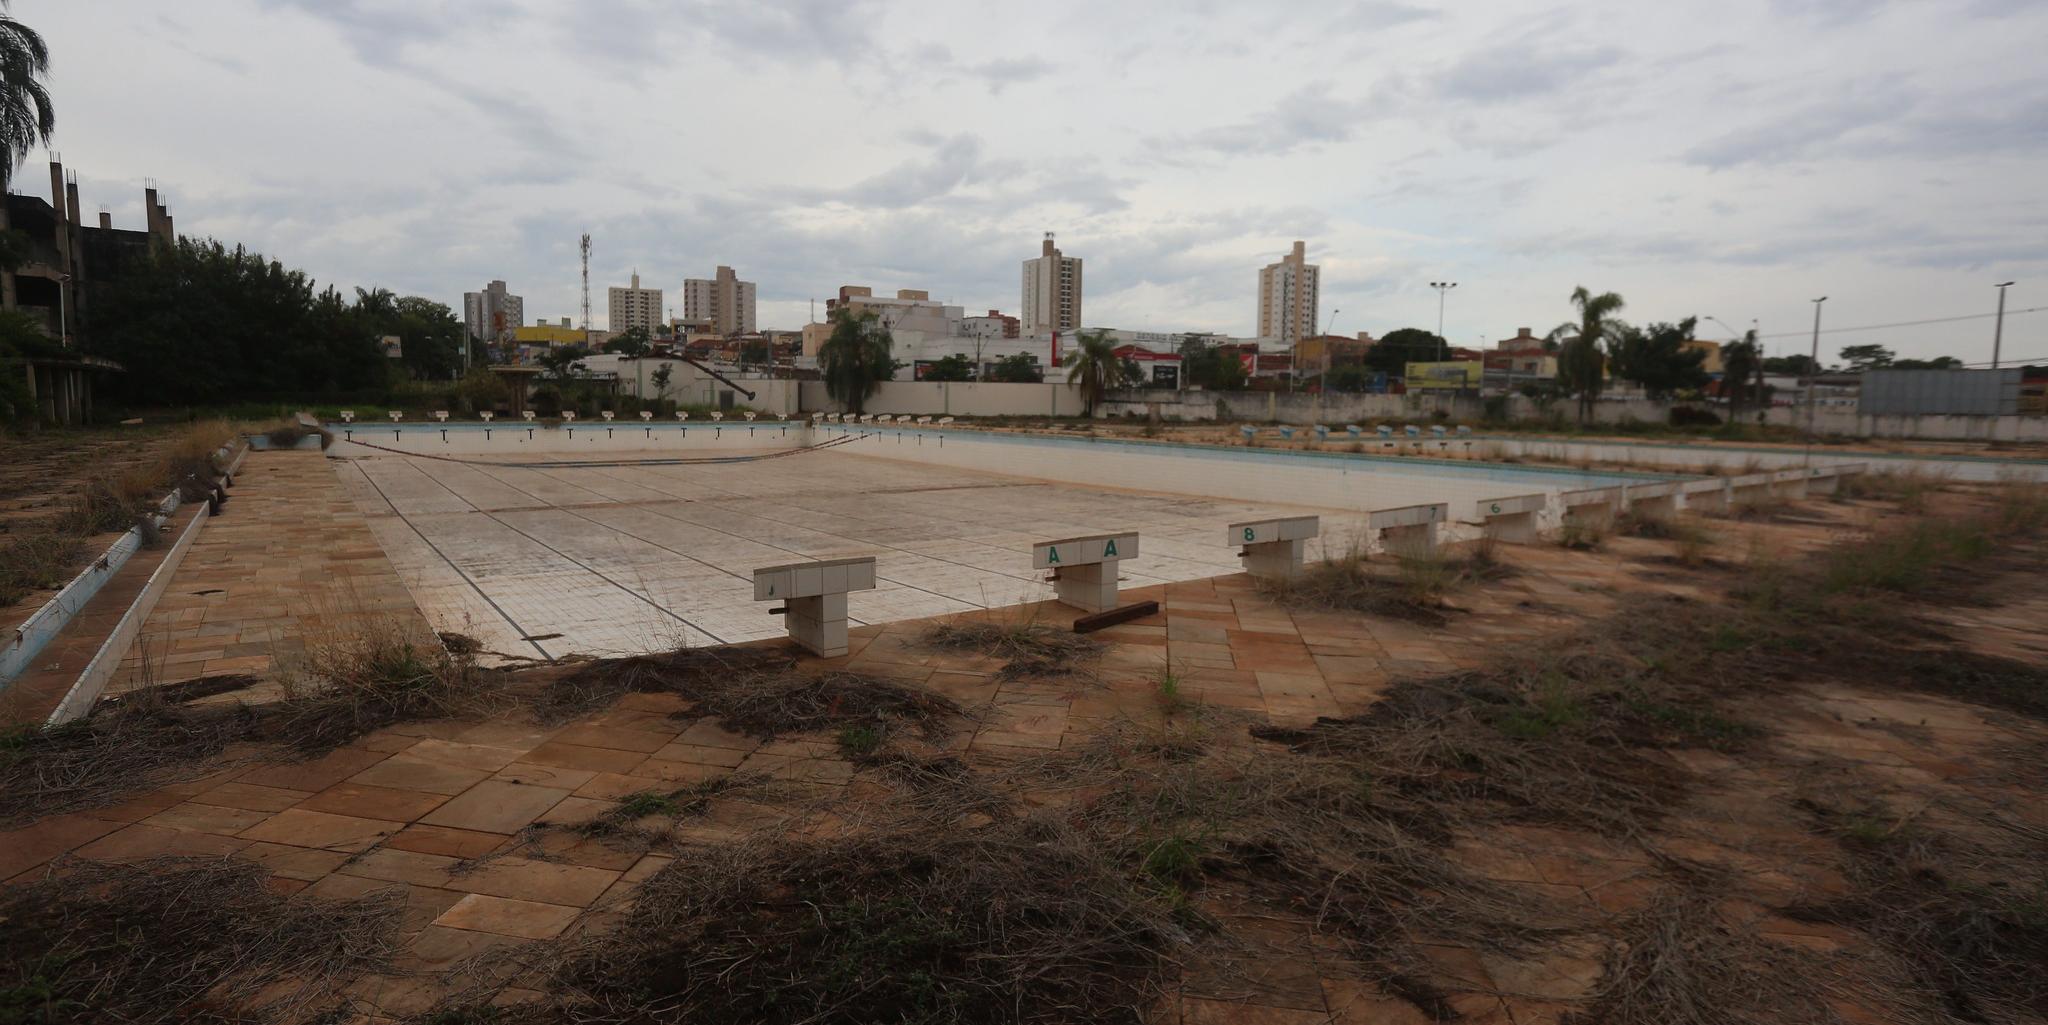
x=1349, y=377
x=1581, y=365
x=757, y=352
x=1204, y=365
x=26, y=116
x=198, y=323
x=950, y=368
x=855, y=359
x=1937, y=363
x=1742, y=367
x=1017, y=368
x=431, y=335
x=562, y=362
x=1796, y=366
x=633, y=341
x=480, y=390
x=20, y=335
x=1867, y=357
x=1094, y=368
x=661, y=377
x=1657, y=358
x=1398, y=348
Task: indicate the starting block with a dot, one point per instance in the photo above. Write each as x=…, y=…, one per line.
x=1410, y=530
x=1513, y=519
x=814, y=598
x=1273, y=548
x=1789, y=484
x=1084, y=568
x=1592, y=507
x=1707, y=495
x=1658, y=501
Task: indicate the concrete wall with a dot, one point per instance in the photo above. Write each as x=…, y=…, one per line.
x=1336, y=408
x=1839, y=422
x=635, y=440
x=956, y=398
x=1348, y=482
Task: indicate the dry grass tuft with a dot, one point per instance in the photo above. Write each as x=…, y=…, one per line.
x=38, y=561
x=179, y=940
x=1680, y=963
x=595, y=685
x=144, y=741
x=1020, y=920
x=1029, y=649
x=1414, y=589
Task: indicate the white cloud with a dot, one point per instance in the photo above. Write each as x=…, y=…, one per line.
x=1698, y=156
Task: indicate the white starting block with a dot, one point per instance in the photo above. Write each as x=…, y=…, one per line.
x=1272, y=549
x=1592, y=507
x=749, y=414
x=1409, y=531
x=348, y=416
x=486, y=414
x=1789, y=484
x=1249, y=433
x=1513, y=519
x=527, y=414
x=715, y=415
x=945, y=420
x=396, y=415
x=814, y=598
x=1084, y=568
x=682, y=415
x=646, y=415
x=924, y=419
x=1749, y=489
x=441, y=415
x=1322, y=433
x=1826, y=480
x=568, y=416
x=1355, y=431
x=1708, y=494
x=607, y=414
x=1657, y=501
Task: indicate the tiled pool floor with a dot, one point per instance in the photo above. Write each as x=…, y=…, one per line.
x=606, y=560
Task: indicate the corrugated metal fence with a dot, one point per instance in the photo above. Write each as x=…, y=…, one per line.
x=1940, y=392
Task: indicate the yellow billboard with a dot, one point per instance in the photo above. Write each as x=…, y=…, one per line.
x=1454, y=375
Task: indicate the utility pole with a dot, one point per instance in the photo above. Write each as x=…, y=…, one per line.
x=1441, y=288
x=1813, y=379
x=1998, y=332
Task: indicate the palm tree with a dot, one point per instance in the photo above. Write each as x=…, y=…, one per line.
x=1740, y=360
x=1581, y=361
x=26, y=117
x=1094, y=368
x=855, y=360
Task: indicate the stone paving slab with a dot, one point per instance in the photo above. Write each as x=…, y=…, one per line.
x=612, y=560
x=289, y=564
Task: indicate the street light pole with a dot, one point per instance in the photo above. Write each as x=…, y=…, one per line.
x=1441, y=288
x=1998, y=332
x=1813, y=379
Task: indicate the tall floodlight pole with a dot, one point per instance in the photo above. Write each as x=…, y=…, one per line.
x=1813, y=379
x=1441, y=288
x=1998, y=331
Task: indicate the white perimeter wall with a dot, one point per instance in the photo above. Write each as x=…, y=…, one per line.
x=635, y=440
x=1253, y=475
x=956, y=398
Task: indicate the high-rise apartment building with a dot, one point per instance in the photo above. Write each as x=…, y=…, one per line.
x=1052, y=292
x=634, y=307
x=1290, y=293
x=492, y=314
x=724, y=302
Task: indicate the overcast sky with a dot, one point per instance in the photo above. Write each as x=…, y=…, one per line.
x=1727, y=157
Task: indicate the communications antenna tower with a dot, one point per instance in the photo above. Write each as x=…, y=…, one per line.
x=586, y=284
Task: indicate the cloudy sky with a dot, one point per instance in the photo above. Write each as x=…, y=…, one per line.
x=1733, y=158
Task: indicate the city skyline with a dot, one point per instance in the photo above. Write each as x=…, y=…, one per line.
x=1685, y=156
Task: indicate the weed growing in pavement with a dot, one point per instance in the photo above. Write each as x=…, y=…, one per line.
x=180, y=940
x=1027, y=648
